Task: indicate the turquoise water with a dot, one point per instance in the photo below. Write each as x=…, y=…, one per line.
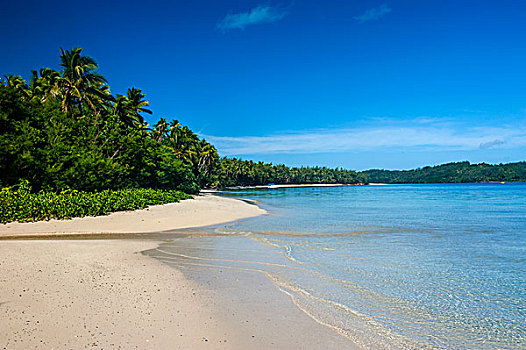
x=395, y=266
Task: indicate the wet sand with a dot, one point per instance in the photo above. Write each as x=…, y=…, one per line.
x=71, y=294
x=246, y=300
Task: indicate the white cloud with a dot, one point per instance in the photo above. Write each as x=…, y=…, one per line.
x=260, y=14
x=373, y=14
x=416, y=137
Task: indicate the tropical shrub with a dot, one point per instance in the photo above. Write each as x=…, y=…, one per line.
x=19, y=203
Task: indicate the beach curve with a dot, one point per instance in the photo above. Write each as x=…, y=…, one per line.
x=203, y=210
x=104, y=293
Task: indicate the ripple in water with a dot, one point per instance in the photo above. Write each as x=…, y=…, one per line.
x=402, y=266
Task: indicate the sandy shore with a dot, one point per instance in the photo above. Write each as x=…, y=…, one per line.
x=102, y=294
x=201, y=211
x=97, y=294
x=105, y=294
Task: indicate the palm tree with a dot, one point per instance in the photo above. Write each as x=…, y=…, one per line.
x=186, y=144
x=128, y=108
x=144, y=129
x=207, y=158
x=160, y=130
x=174, y=128
x=173, y=133
x=137, y=103
x=17, y=83
x=120, y=109
x=44, y=85
x=80, y=84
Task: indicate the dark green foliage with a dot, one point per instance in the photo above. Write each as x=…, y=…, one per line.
x=237, y=172
x=19, y=203
x=197, y=154
x=451, y=173
x=66, y=134
x=66, y=130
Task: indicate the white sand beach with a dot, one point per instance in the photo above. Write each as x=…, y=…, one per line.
x=203, y=210
x=105, y=294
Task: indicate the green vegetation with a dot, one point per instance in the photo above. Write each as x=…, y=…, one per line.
x=65, y=134
x=20, y=204
x=451, y=173
x=86, y=151
x=236, y=172
x=66, y=129
x=75, y=142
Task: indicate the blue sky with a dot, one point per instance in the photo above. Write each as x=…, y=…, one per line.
x=356, y=84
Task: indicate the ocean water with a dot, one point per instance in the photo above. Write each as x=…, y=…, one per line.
x=389, y=267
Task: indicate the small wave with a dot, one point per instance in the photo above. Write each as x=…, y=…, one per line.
x=362, y=329
x=170, y=255
x=288, y=255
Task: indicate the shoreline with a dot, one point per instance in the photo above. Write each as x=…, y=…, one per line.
x=101, y=294
x=226, y=189
x=203, y=210
x=252, y=302
x=108, y=293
